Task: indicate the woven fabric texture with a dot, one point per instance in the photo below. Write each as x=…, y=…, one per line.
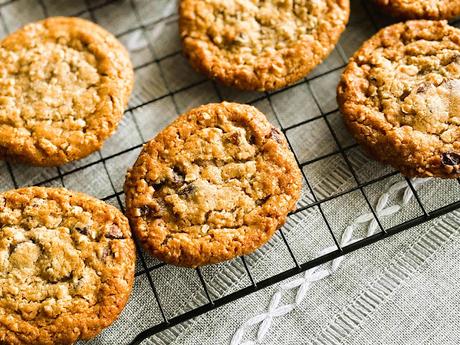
x=403, y=290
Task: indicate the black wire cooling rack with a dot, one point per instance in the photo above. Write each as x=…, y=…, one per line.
x=164, y=76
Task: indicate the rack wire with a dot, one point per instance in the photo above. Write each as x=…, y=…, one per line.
x=166, y=86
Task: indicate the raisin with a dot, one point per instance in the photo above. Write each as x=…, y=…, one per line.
x=455, y=58
x=178, y=178
x=422, y=88
x=166, y=239
x=114, y=233
x=450, y=158
x=187, y=190
x=234, y=138
x=156, y=210
x=276, y=135
x=82, y=230
x=106, y=252
x=146, y=211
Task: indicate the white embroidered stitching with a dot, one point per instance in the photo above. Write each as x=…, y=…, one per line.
x=318, y=273
x=391, y=279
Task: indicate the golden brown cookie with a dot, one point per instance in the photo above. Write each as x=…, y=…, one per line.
x=66, y=266
x=400, y=97
x=422, y=9
x=64, y=84
x=260, y=45
x=215, y=184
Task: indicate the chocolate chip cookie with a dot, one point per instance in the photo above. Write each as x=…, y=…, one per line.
x=400, y=97
x=260, y=45
x=215, y=184
x=422, y=9
x=66, y=266
x=64, y=84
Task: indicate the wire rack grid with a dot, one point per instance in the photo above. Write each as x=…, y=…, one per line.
x=340, y=182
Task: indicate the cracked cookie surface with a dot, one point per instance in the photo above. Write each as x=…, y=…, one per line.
x=215, y=184
x=66, y=266
x=64, y=85
x=422, y=9
x=260, y=45
x=400, y=97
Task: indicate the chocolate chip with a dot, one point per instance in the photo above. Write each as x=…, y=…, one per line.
x=187, y=190
x=404, y=95
x=178, y=171
x=276, y=135
x=424, y=70
x=156, y=185
x=12, y=248
x=114, y=232
x=450, y=158
x=82, y=230
x=262, y=201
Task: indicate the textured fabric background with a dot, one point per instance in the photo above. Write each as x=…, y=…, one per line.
x=403, y=290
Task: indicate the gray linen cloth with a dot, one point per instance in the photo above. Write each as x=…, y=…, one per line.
x=403, y=290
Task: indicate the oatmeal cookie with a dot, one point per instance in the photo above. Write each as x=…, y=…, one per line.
x=422, y=9
x=66, y=266
x=215, y=184
x=64, y=84
x=260, y=45
x=400, y=97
